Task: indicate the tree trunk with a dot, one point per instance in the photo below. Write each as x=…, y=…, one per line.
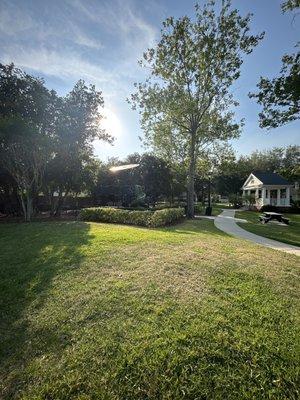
x=23, y=206
x=191, y=177
x=26, y=201
x=51, y=202
x=203, y=195
x=60, y=202
x=28, y=207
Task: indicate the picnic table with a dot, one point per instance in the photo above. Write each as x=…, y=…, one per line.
x=270, y=215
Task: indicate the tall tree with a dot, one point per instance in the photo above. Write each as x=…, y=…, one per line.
x=280, y=96
x=78, y=123
x=186, y=99
x=26, y=127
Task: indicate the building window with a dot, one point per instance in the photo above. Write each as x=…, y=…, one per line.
x=283, y=193
x=259, y=193
x=267, y=193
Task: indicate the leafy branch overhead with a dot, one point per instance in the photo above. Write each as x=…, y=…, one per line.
x=280, y=96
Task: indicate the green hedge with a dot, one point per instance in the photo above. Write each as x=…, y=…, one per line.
x=166, y=216
x=140, y=218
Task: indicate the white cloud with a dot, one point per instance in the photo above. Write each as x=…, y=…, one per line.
x=120, y=19
x=50, y=48
x=21, y=23
x=52, y=63
x=13, y=21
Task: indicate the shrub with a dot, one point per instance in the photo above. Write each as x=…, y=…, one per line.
x=166, y=217
x=139, y=218
x=295, y=203
x=237, y=201
x=199, y=208
x=115, y=215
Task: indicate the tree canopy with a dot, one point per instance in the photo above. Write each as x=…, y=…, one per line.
x=46, y=140
x=185, y=103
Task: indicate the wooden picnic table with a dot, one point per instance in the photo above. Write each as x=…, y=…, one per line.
x=270, y=215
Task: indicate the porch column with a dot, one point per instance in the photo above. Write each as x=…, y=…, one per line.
x=263, y=195
x=288, y=194
x=278, y=197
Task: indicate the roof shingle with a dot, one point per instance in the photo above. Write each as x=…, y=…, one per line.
x=270, y=178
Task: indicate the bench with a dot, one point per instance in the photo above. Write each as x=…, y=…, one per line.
x=266, y=218
x=263, y=219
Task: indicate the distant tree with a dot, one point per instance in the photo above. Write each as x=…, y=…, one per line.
x=290, y=163
x=148, y=182
x=155, y=177
x=211, y=164
x=114, y=188
x=185, y=101
x=283, y=160
x=280, y=97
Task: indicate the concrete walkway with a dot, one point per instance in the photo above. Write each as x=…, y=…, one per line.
x=227, y=223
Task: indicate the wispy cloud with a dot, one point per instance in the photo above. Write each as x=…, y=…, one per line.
x=53, y=63
x=99, y=41
x=119, y=19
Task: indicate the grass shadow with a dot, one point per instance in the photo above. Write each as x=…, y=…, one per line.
x=32, y=256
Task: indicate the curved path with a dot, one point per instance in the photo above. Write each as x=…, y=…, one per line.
x=227, y=223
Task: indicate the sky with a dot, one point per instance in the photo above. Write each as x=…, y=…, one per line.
x=101, y=42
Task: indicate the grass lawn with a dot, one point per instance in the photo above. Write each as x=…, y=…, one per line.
x=216, y=209
x=288, y=234
x=98, y=311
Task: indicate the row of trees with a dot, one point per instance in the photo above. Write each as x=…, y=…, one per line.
x=186, y=103
x=156, y=180
x=187, y=114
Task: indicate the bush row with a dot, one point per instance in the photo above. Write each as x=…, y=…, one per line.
x=166, y=217
x=140, y=218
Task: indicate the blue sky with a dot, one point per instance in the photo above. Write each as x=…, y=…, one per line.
x=101, y=41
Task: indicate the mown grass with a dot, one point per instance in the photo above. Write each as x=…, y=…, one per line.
x=284, y=233
x=217, y=208
x=96, y=311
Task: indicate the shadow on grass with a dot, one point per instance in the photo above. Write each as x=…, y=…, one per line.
x=31, y=256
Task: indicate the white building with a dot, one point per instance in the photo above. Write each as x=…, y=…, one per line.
x=268, y=188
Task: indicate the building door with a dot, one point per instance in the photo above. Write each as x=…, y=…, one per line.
x=273, y=197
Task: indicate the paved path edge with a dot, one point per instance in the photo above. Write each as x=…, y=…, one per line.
x=226, y=222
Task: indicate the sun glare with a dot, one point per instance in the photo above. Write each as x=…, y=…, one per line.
x=111, y=123
x=123, y=167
